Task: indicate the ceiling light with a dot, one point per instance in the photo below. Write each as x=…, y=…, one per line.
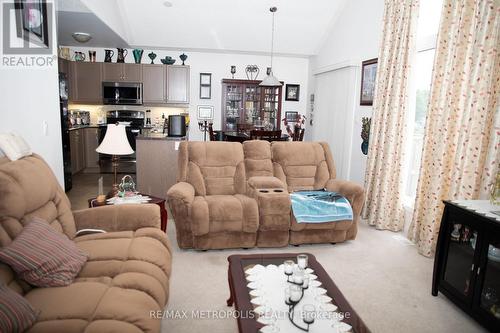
x=167, y=4
x=81, y=37
x=270, y=80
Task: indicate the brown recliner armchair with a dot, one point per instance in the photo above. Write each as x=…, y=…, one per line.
x=310, y=166
x=209, y=203
x=127, y=274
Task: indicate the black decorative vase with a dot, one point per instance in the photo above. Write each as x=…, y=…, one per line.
x=364, y=147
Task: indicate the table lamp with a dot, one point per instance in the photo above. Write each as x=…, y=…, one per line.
x=115, y=143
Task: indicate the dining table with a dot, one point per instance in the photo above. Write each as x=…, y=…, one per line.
x=235, y=136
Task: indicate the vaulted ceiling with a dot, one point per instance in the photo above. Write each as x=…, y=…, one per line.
x=301, y=26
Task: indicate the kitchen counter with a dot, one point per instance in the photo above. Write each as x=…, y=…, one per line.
x=156, y=162
x=77, y=127
x=160, y=136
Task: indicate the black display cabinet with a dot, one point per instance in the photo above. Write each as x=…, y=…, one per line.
x=467, y=261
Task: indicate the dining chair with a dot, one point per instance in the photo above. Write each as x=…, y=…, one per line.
x=211, y=132
x=298, y=134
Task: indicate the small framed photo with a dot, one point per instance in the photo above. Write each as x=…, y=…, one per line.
x=32, y=21
x=205, y=112
x=292, y=92
x=205, y=85
x=368, y=76
x=291, y=116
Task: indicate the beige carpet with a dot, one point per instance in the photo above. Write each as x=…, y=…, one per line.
x=383, y=277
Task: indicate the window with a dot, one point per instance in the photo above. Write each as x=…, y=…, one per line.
x=428, y=25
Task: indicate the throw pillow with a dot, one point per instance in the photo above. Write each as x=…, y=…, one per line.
x=16, y=314
x=14, y=146
x=43, y=257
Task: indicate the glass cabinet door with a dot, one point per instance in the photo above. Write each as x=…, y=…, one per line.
x=270, y=106
x=490, y=293
x=252, y=104
x=459, y=267
x=233, y=107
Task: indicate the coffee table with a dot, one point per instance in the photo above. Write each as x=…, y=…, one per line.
x=240, y=297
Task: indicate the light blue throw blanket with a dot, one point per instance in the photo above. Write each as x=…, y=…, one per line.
x=320, y=206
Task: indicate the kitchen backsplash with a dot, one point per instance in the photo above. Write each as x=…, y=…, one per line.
x=100, y=110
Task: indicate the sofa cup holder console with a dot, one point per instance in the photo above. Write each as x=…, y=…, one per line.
x=271, y=190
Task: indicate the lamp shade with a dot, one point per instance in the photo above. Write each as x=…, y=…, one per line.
x=115, y=141
x=270, y=81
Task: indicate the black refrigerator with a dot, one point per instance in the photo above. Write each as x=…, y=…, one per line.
x=65, y=125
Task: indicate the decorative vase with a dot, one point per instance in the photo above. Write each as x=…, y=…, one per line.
x=183, y=57
x=122, y=53
x=108, y=54
x=364, y=147
x=233, y=70
x=137, y=55
x=152, y=56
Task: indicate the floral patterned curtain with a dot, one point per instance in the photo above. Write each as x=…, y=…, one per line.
x=462, y=135
x=383, y=179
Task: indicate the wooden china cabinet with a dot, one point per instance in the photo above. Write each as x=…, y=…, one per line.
x=246, y=105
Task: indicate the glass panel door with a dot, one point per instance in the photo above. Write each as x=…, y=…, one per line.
x=458, y=271
x=234, y=102
x=252, y=102
x=490, y=294
x=270, y=106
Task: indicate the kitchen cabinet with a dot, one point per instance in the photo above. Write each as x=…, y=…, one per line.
x=91, y=142
x=86, y=82
x=467, y=260
x=177, y=84
x=153, y=82
x=77, y=147
x=113, y=72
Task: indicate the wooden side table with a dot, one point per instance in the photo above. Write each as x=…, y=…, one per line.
x=154, y=200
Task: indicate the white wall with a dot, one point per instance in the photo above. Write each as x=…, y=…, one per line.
x=292, y=70
x=354, y=37
x=30, y=103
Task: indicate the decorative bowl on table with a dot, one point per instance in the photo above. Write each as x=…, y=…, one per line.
x=167, y=60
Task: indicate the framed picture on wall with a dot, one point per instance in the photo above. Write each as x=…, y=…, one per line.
x=368, y=75
x=32, y=21
x=292, y=92
x=205, y=85
x=205, y=112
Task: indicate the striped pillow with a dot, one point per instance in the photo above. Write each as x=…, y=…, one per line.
x=16, y=314
x=43, y=257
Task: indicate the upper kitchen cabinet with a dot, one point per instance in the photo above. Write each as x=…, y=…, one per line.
x=154, y=79
x=63, y=65
x=113, y=72
x=177, y=84
x=86, y=86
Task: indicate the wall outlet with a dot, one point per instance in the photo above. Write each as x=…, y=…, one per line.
x=45, y=128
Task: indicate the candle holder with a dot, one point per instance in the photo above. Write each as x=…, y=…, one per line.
x=204, y=127
x=295, y=286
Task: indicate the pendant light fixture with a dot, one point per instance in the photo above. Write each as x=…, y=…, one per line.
x=270, y=80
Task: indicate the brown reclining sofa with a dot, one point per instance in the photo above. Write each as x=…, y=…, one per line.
x=128, y=270
x=232, y=195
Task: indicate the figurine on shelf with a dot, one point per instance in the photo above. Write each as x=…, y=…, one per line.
x=233, y=70
x=465, y=235
x=455, y=234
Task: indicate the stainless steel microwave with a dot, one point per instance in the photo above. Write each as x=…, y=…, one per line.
x=122, y=93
